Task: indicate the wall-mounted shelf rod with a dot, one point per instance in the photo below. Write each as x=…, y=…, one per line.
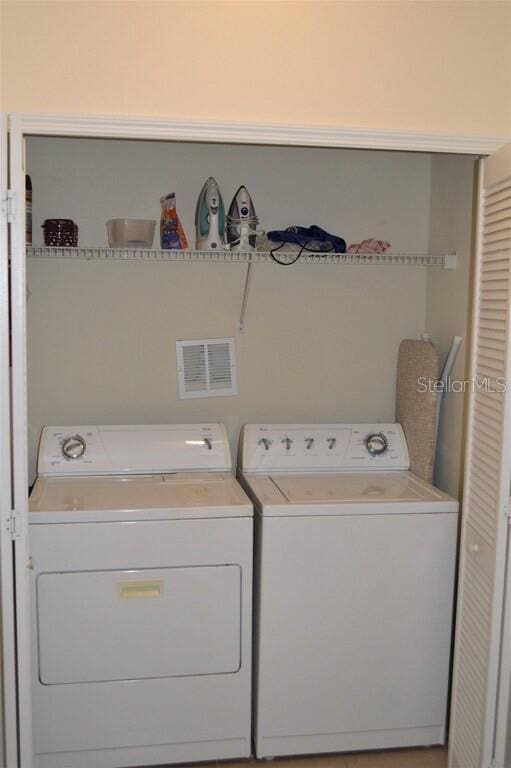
x=244, y=301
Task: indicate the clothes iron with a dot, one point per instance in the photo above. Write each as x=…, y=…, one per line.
x=242, y=222
x=210, y=218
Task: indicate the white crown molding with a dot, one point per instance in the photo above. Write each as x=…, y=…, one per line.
x=257, y=133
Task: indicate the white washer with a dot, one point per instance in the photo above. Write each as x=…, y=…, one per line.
x=354, y=574
x=141, y=545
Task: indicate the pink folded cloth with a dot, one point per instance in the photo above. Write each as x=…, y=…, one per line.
x=369, y=246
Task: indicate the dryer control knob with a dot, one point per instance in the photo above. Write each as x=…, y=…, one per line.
x=73, y=447
x=376, y=443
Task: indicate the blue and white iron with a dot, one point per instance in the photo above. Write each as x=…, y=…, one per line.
x=242, y=222
x=210, y=218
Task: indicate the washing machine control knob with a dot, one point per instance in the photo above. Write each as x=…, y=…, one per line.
x=287, y=442
x=265, y=442
x=376, y=443
x=73, y=447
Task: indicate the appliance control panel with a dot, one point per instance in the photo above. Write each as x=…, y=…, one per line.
x=323, y=447
x=137, y=449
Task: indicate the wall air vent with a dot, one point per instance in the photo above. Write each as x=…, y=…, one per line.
x=206, y=368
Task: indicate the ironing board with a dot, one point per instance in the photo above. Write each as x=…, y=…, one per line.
x=416, y=403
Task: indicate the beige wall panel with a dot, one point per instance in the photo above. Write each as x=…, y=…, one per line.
x=447, y=314
x=320, y=342
x=433, y=66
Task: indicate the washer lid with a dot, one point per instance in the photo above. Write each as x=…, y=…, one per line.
x=370, y=487
x=185, y=495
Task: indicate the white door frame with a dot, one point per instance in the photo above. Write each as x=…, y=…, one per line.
x=8, y=643
x=22, y=125
x=255, y=133
x=19, y=439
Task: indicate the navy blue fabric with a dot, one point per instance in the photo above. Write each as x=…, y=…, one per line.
x=311, y=238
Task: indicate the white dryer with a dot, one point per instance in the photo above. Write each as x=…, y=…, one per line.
x=354, y=576
x=141, y=546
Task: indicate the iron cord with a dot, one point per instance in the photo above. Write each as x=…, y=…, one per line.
x=290, y=263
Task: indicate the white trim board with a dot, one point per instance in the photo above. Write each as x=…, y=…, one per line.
x=256, y=133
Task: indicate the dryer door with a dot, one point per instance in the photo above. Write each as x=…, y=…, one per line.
x=97, y=626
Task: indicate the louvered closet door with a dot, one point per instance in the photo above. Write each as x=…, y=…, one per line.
x=487, y=479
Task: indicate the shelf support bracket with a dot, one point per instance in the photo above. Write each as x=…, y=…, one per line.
x=450, y=260
x=244, y=301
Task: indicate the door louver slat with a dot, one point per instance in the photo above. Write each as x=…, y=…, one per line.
x=502, y=221
x=496, y=269
x=490, y=228
x=491, y=406
x=494, y=341
x=486, y=466
x=497, y=237
x=497, y=208
x=495, y=254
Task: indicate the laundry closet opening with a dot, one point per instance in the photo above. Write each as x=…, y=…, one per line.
x=321, y=341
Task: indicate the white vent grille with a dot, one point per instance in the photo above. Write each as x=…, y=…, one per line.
x=206, y=368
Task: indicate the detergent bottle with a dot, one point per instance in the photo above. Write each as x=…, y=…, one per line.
x=172, y=234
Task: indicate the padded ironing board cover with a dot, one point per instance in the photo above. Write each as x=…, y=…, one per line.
x=416, y=409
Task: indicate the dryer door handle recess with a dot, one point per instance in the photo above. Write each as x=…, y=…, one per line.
x=129, y=590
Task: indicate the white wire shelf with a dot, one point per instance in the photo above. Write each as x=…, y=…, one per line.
x=447, y=261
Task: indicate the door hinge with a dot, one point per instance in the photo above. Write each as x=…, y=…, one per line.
x=9, y=207
x=13, y=525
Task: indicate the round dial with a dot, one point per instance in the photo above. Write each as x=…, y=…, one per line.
x=73, y=447
x=376, y=443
